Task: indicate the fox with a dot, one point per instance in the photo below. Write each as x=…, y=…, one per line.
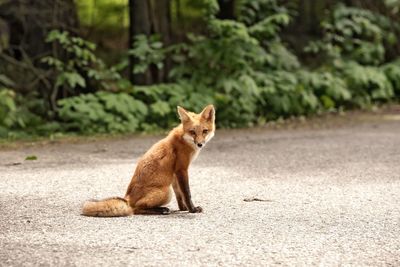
x=163, y=166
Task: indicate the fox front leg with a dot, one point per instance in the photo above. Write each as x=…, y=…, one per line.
x=178, y=194
x=183, y=183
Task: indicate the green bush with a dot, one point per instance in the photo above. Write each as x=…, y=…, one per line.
x=367, y=84
x=241, y=66
x=162, y=100
x=331, y=90
x=17, y=119
x=355, y=34
x=8, y=108
x=82, y=64
x=102, y=112
x=392, y=72
x=246, y=70
x=229, y=65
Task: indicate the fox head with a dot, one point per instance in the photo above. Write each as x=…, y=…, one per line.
x=198, y=128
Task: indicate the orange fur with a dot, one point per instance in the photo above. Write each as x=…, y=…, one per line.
x=166, y=163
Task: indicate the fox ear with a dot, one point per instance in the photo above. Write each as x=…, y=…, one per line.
x=183, y=115
x=208, y=113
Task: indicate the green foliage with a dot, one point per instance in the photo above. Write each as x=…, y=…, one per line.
x=102, y=112
x=8, y=109
x=306, y=92
x=354, y=41
x=242, y=66
x=330, y=90
x=22, y=116
x=284, y=95
x=147, y=51
x=5, y=81
x=265, y=18
x=31, y=157
x=210, y=7
x=16, y=117
x=237, y=101
x=250, y=74
x=367, y=84
x=82, y=63
x=355, y=34
x=162, y=100
x=230, y=52
x=392, y=72
x=230, y=61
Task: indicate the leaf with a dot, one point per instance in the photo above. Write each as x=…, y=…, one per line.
x=74, y=79
x=160, y=107
x=6, y=81
x=31, y=157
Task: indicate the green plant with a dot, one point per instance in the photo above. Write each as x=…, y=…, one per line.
x=8, y=110
x=16, y=119
x=265, y=19
x=102, y=112
x=232, y=60
x=6, y=81
x=356, y=34
x=31, y=157
x=148, y=51
x=366, y=84
x=162, y=100
x=331, y=90
x=392, y=72
x=243, y=66
x=282, y=95
x=222, y=65
x=81, y=65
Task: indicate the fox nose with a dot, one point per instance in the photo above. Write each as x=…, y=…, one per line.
x=199, y=144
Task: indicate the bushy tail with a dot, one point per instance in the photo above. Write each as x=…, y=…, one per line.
x=110, y=207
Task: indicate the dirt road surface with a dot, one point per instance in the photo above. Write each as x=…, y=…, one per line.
x=331, y=197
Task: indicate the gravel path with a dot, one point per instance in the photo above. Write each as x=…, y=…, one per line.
x=330, y=197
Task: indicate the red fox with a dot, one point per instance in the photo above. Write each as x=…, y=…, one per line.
x=165, y=164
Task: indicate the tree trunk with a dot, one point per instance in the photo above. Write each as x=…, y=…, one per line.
x=139, y=15
x=150, y=17
x=161, y=25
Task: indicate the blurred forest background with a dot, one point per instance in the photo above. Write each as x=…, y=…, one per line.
x=115, y=66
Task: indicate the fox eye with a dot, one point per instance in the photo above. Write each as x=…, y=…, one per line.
x=205, y=131
x=192, y=132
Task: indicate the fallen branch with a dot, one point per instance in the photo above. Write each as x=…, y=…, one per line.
x=251, y=199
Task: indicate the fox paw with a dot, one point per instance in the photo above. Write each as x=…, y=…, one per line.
x=165, y=211
x=196, y=210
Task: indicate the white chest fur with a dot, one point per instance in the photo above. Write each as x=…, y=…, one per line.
x=196, y=151
x=194, y=155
